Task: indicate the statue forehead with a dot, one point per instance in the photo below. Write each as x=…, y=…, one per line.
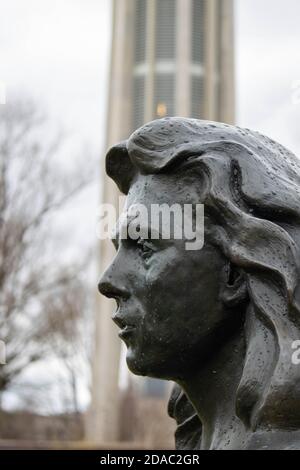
x=164, y=188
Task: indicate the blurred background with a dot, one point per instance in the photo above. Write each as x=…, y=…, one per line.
x=75, y=77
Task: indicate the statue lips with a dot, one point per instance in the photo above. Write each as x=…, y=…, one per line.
x=127, y=332
x=126, y=329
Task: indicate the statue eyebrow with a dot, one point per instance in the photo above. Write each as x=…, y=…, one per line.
x=152, y=232
x=115, y=235
x=149, y=229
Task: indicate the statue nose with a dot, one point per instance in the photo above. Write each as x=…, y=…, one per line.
x=109, y=289
x=106, y=288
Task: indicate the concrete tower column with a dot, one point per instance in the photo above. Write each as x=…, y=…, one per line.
x=150, y=60
x=183, y=63
x=227, y=65
x=210, y=65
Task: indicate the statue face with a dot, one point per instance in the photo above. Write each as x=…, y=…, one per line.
x=169, y=309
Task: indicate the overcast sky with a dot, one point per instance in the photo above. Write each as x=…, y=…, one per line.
x=58, y=52
x=268, y=67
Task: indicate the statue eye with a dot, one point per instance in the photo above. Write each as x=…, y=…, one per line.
x=145, y=249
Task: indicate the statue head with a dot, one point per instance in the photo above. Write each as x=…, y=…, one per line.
x=178, y=307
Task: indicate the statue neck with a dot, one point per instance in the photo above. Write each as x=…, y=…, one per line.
x=212, y=391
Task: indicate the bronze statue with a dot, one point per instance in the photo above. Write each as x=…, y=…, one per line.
x=220, y=321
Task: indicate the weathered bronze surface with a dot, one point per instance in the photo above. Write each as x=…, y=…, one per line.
x=220, y=321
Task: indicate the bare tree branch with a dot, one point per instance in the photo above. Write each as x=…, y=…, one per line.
x=43, y=303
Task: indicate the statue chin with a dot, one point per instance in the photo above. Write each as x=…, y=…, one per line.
x=134, y=366
x=142, y=368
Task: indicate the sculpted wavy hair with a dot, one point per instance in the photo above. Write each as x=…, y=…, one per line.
x=253, y=203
